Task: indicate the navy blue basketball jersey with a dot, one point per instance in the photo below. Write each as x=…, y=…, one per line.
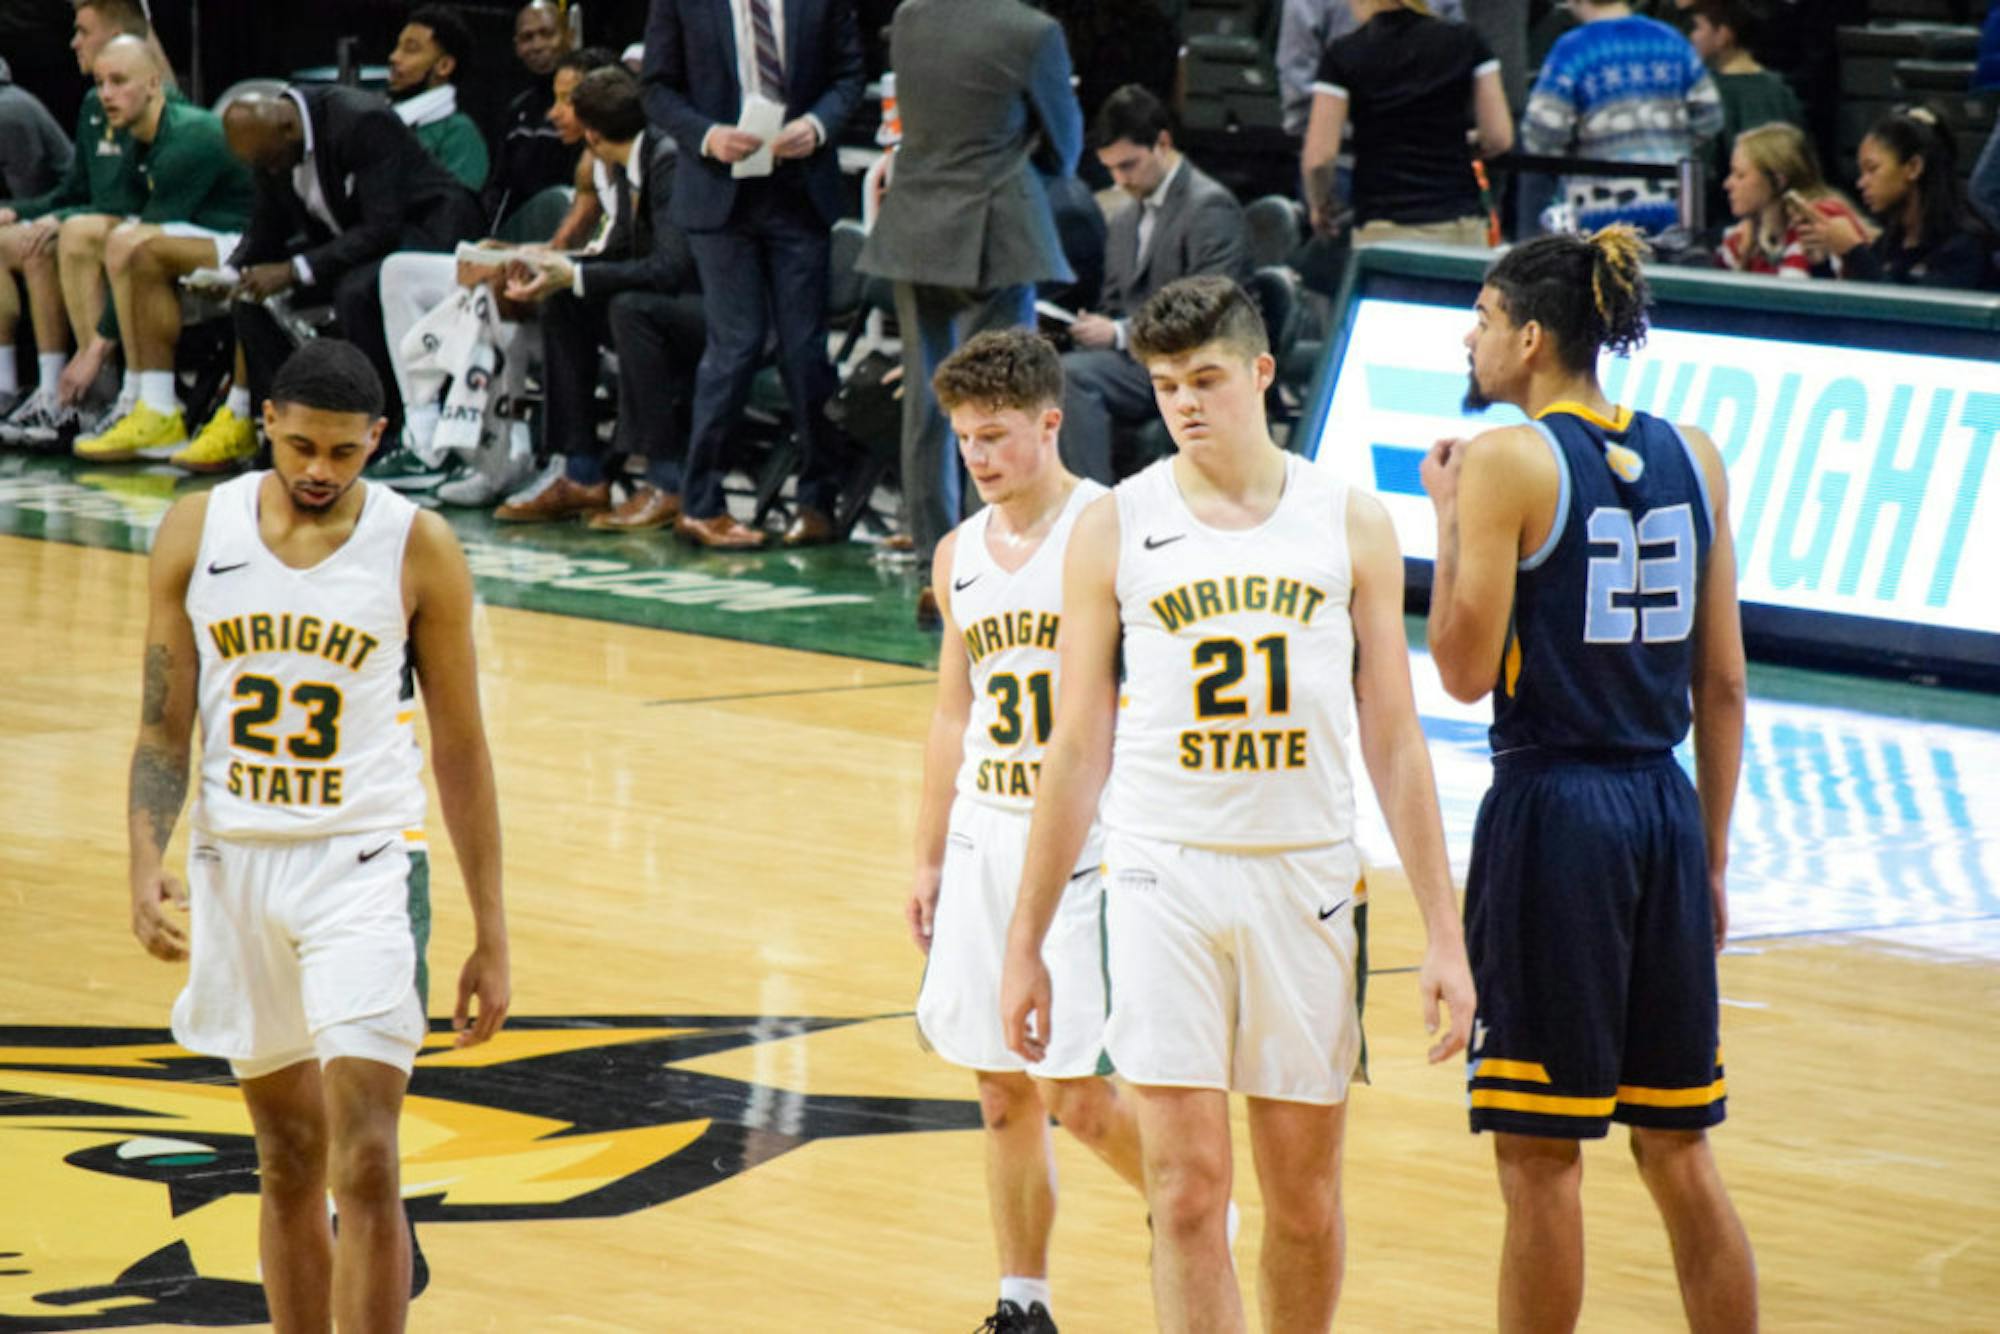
x=1601, y=647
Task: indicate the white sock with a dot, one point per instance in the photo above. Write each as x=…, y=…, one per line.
x=239, y=401
x=420, y=424
x=156, y=391
x=1024, y=1292
x=51, y=364
x=128, y=388
x=10, y=377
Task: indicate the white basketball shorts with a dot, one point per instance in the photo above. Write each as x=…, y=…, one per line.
x=1235, y=971
x=304, y=950
x=958, y=1007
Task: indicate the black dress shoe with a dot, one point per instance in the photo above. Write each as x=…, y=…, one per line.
x=928, y=615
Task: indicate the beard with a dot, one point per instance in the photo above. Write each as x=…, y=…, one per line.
x=1475, y=400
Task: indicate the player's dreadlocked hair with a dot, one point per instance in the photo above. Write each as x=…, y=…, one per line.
x=329, y=375
x=1588, y=292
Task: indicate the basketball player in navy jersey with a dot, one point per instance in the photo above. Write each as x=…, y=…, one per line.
x=290, y=612
x=1586, y=578
x=1255, y=605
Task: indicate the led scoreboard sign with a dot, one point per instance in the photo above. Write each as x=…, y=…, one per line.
x=1864, y=483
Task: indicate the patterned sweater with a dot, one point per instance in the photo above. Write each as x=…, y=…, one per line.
x=1629, y=90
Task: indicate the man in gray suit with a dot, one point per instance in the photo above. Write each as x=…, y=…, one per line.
x=966, y=231
x=1182, y=222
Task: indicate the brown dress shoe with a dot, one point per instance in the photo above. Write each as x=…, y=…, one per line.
x=647, y=508
x=928, y=615
x=809, y=528
x=560, y=499
x=720, y=531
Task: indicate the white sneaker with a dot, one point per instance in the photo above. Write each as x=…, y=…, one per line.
x=538, y=482
x=39, y=422
x=495, y=476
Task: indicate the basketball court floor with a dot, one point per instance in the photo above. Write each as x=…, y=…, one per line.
x=710, y=1111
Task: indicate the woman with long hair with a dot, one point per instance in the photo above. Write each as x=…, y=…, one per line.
x=1774, y=188
x=1909, y=181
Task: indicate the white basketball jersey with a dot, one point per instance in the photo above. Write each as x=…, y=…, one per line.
x=307, y=706
x=1238, y=698
x=1009, y=622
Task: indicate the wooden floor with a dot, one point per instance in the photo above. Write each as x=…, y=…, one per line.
x=702, y=828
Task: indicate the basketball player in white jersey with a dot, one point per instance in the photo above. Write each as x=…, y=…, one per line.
x=290, y=611
x=998, y=578
x=1257, y=604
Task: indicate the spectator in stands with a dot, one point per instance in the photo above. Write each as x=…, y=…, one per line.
x=1181, y=222
x=761, y=241
x=337, y=164
x=531, y=155
x=1305, y=29
x=590, y=188
x=1627, y=89
x=640, y=295
x=1413, y=86
x=198, y=200
x=1773, y=186
x=1985, y=185
x=34, y=152
x=414, y=283
x=102, y=186
x=966, y=229
x=1723, y=33
x=1909, y=181
x=430, y=53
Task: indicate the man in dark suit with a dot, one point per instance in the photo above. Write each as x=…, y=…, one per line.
x=966, y=229
x=641, y=291
x=1182, y=222
x=341, y=184
x=760, y=242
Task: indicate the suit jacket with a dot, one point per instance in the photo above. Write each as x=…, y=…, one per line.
x=691, y=86
x=1199, y=230
x=645, y=250
x=981, y=86
x=381, y=185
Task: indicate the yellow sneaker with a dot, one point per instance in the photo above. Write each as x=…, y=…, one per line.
x=225, y=444
x=144, y=427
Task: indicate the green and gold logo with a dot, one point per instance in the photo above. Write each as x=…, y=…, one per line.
x=131, y=1173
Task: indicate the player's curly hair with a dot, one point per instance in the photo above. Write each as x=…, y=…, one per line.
x=1001, y=369
x=330, y=376
x=1587, y=292
x=1189, y=312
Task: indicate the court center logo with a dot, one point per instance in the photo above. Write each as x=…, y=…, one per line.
x=131, y=1173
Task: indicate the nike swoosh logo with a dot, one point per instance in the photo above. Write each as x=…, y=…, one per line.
x=213, y=568
x=1155, y=543
x=1325, y=913
x=960, y=585
x=1081, y=874
x=373, y=853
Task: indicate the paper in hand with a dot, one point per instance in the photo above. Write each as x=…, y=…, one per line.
x=221, y=278
x=763, y=118
x=1049, y=310
x=498, y=257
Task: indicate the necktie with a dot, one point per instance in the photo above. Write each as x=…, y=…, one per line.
x=770, y=69
x=1149, y=214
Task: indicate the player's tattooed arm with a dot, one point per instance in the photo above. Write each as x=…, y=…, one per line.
x=159, y=779
x=159, y=772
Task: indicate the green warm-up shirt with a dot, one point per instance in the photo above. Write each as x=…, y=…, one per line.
x=103, y=176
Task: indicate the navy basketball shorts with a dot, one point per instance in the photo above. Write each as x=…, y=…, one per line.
x=1591, y=935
